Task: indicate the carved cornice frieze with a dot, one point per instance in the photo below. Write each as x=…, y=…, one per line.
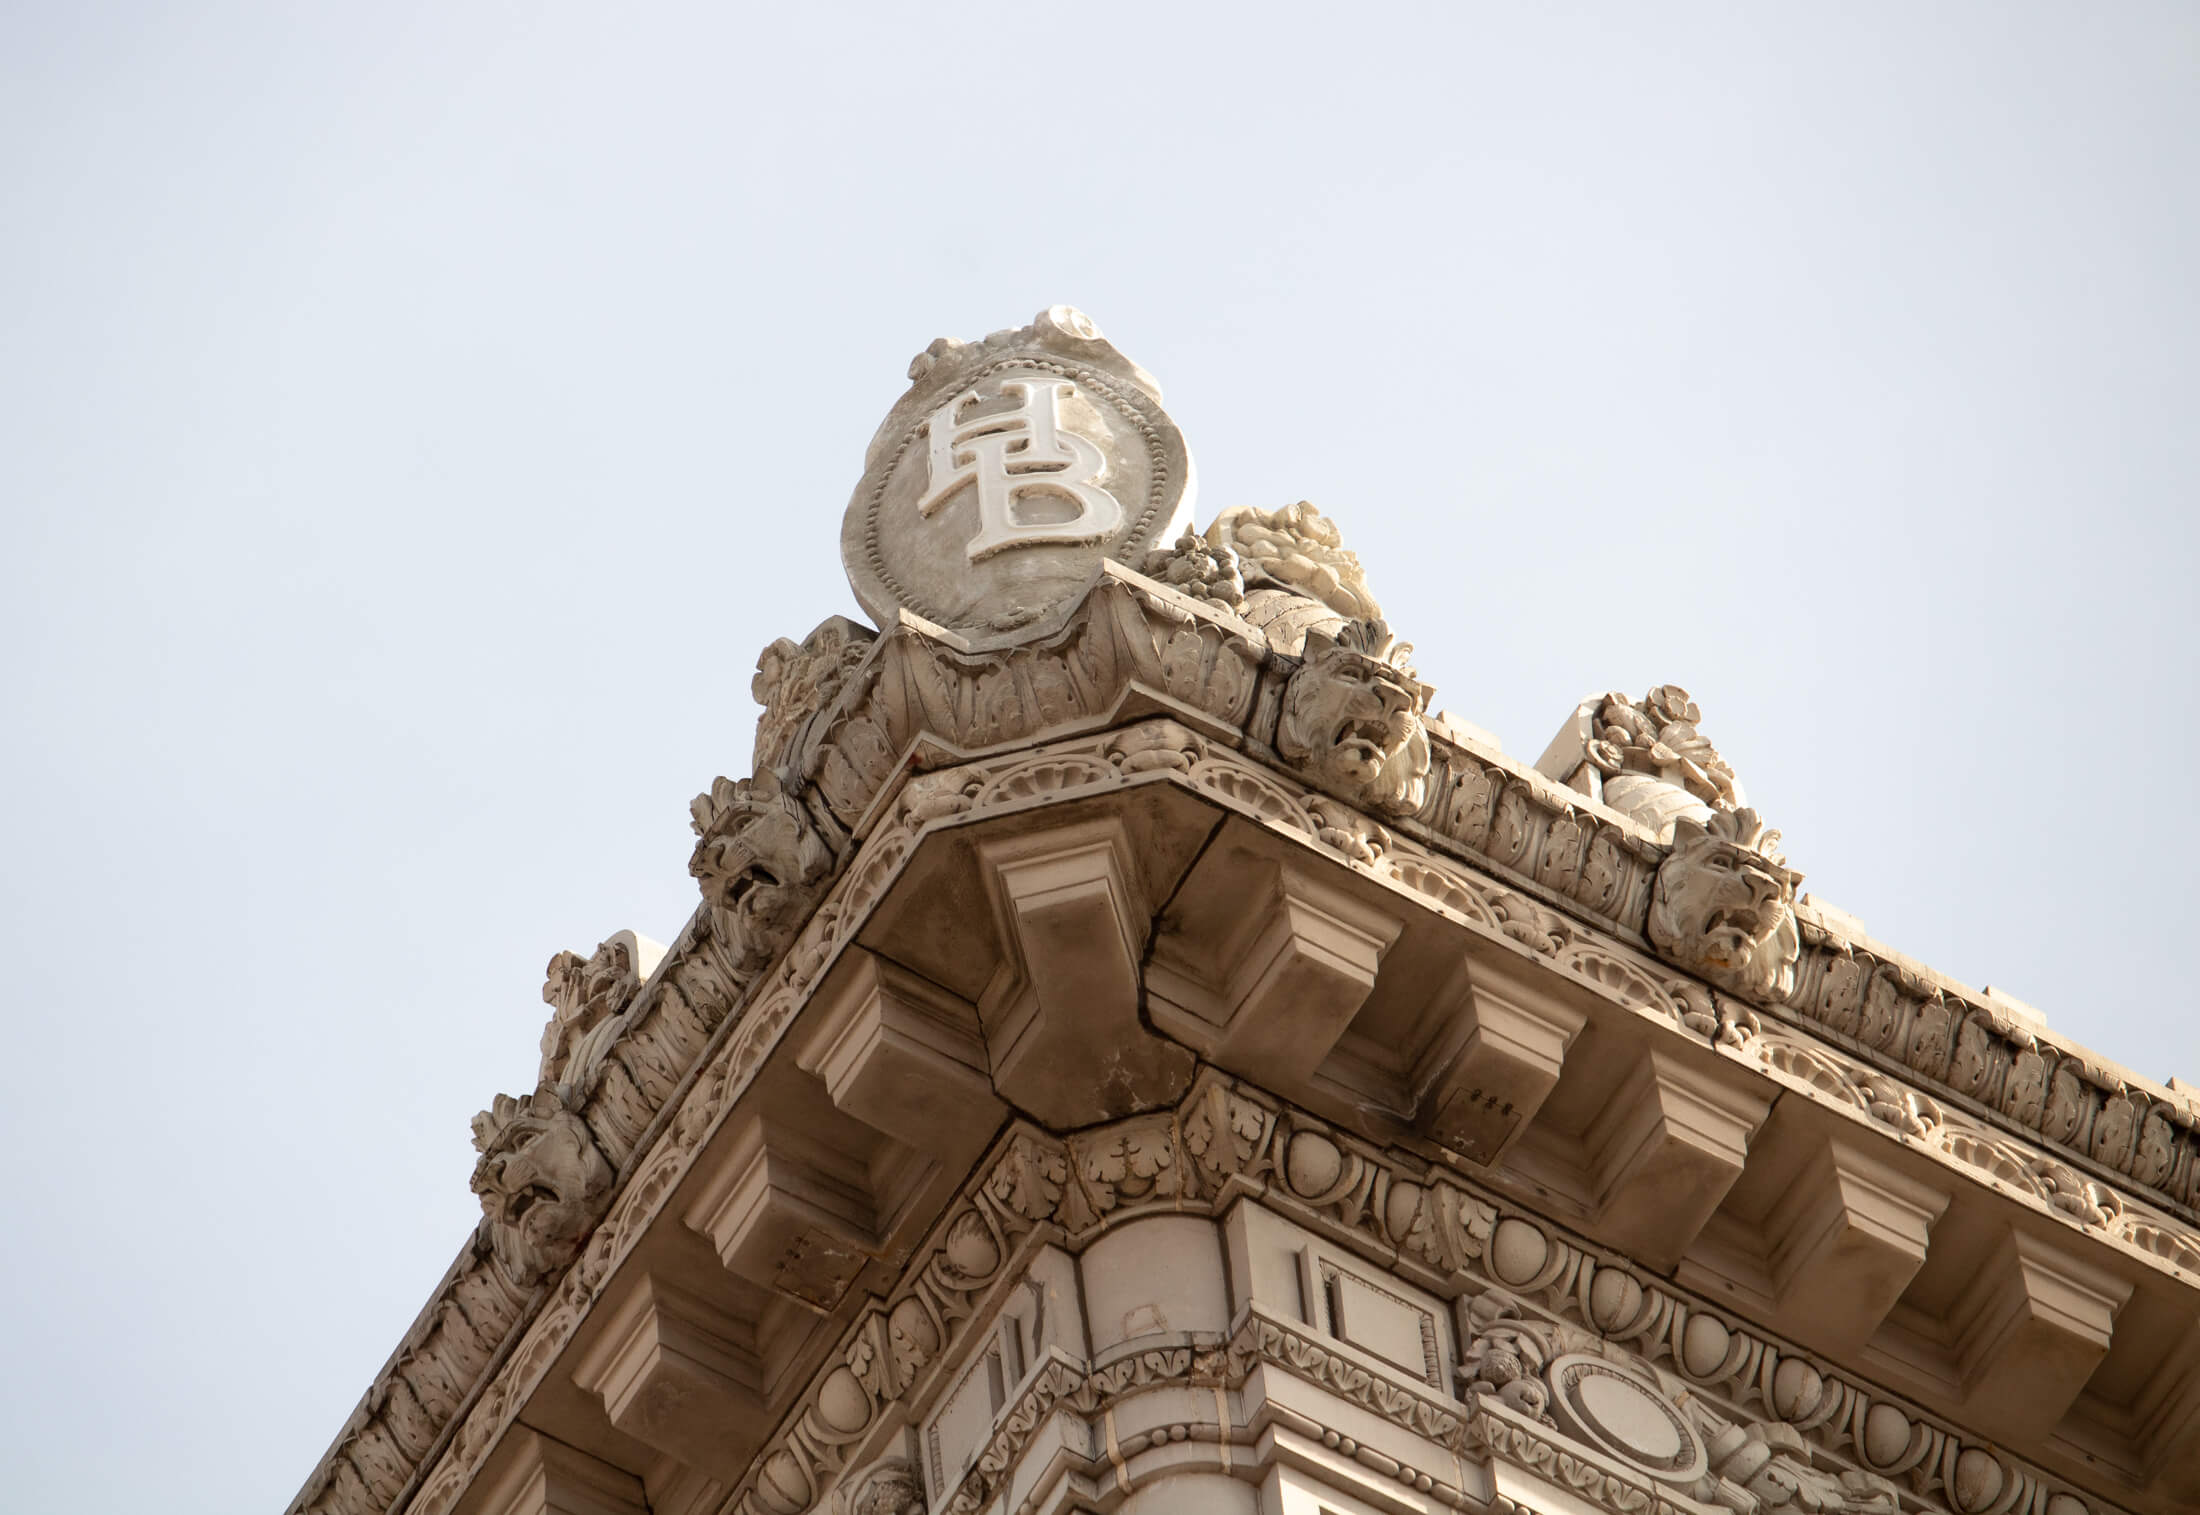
x=918, y=685
x=1228, y=1141
x=687, y=1028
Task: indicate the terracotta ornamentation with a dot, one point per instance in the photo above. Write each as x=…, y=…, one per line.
x=1352, y=718
x=762, y=863
x=541, y=1182
x=1723, y=906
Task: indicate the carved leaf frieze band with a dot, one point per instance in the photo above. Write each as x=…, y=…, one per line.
x=1760, y=1407
x=844, y=713
x=690, y=1000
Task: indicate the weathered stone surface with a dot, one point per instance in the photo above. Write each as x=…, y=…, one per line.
x=762, y=862
x=1647, y=759
x=1352, y=718
x=935, y=906
x=586, y=996
x=1012, y=468
x=540, y=1178
x=1724, y=906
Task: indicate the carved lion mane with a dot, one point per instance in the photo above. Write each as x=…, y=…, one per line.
x=1723, y=905
x=540, y=1179
x=1352, y=718
x=761, y=862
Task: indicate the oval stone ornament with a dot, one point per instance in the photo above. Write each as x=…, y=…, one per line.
x=1007, y=473
x=1619, y=1413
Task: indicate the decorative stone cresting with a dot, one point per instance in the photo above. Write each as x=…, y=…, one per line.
x=586, y=996
x=1021, y=682
x=1297, y=571
x=1648, y=760
x=796, y=680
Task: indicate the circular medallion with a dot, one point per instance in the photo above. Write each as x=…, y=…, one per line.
x=1619, y=1413
x=1008, y=472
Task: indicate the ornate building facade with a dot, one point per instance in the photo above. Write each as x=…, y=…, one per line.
x=1131, y=1056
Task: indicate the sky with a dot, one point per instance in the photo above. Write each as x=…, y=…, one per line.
x=415, y=418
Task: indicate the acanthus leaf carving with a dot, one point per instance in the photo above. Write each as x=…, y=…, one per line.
x=1647, y=759
x=796, y=681
x=1294, y=552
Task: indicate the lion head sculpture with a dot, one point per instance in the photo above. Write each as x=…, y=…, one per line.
x=1352, y=718
x=541, y=1181
x=1723, y=905
x=762, y=863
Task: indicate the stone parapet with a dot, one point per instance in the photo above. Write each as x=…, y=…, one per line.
x=1602, y=972
x=1149, y=889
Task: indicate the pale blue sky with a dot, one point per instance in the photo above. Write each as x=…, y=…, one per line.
x=414, y=419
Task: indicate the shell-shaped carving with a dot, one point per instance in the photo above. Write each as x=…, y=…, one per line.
x=1990, y=1157
x=1443, y=886
x=1819, y=1072
x=1242, y=787
x=1652, y=803
x=1627, y=983
x=2175, y=1246
x=1044, y=777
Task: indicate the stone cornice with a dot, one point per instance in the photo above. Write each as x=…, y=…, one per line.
x=1024, y=780
x=1494, y=843
x=1131, y=635
x=1228, y=1141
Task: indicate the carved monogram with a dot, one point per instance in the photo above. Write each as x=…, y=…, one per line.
x=1035, y=479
